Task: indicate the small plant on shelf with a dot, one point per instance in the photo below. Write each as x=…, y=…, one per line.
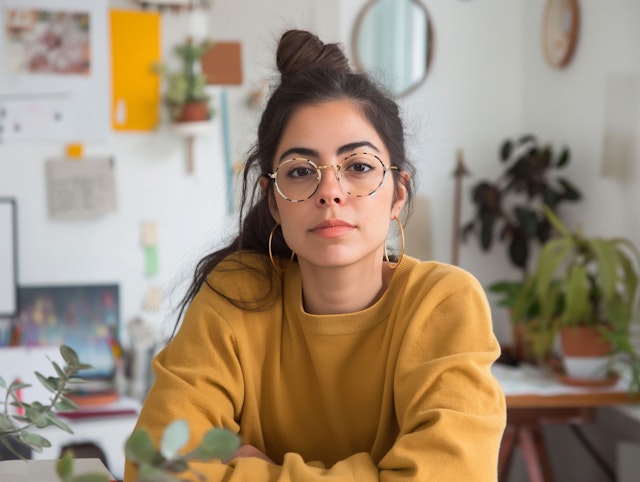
x=186, y=96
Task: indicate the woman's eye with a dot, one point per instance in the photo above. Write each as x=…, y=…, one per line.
x=359, y=167
x=301, y=171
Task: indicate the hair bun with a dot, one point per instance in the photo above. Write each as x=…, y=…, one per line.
x=299, y=50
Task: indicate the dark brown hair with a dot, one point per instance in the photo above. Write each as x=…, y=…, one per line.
x=311, y=72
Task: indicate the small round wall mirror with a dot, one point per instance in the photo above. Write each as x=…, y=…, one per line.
x=393, y=41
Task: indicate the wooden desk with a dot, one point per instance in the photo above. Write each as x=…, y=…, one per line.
x=549, y=402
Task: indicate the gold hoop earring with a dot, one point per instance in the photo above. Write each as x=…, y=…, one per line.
x=386, y=254
x=276, y=266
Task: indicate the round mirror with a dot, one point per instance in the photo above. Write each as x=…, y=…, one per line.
x=392, y=40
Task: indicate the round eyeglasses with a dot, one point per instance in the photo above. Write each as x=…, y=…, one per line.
x=359, y=174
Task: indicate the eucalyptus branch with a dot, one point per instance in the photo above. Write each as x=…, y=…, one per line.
x=16, y=427
x=165, y=463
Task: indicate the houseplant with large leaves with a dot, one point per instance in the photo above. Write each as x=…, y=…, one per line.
x=585, y=281
x=509, y=210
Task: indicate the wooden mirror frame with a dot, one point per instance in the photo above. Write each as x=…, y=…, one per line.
x=560, y=27
x=355, y=45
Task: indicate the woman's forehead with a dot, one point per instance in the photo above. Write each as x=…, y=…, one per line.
x=327, y=128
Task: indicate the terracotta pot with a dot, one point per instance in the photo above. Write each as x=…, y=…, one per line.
x=194, y=112
x=581, y=341
x=586, y=353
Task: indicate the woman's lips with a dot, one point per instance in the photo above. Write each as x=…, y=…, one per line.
x=332, y=228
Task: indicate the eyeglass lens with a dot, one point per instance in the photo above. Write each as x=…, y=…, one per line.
x=360, y=174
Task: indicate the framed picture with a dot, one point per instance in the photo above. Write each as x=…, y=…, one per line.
x=84, y=317
x=8, y=258
x=54, y=57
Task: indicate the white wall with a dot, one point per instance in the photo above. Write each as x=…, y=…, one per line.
x=568, y=106
x=469, y=101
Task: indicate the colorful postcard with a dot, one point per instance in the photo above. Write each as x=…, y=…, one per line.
x=42, y=41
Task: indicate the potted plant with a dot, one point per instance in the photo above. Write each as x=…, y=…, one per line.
x=509, y=210
x=186, y=97
x=585, y=285
x=18, y=431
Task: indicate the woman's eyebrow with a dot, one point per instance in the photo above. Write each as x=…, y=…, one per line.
x=352, y=146
x=305, y=151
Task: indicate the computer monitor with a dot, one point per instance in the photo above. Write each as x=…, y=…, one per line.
x=84, y=317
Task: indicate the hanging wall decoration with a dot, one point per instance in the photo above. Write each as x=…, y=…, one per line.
x=560, y=31
x=174, y=5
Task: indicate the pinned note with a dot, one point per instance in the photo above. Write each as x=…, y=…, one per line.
x=80, y=190
x=150, y=246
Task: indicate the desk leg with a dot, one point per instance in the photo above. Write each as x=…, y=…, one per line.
x=509, y=441
x=533, y=449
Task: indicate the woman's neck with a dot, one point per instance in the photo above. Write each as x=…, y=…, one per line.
x=344, y=289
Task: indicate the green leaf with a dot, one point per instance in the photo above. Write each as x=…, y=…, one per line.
x=69, y=355
x=2, y=383
x=177, y=466
x=175, y=436
x=555, y=221
x=5, y=423
x=59, y=370
x=49, y=383
x=139, y=447
x=577, y=307
x=34, y=440
x=58, y=423
x=64, y=466
x=217, y=443
x=564, y=158
x=606, y=267
x=64, y=404
x=16, y=385
x=553, y=253
x=36, y=416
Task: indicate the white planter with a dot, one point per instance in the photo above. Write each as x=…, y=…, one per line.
x=586, y=367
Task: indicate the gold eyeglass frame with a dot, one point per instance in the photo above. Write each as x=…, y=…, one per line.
x=273, y=175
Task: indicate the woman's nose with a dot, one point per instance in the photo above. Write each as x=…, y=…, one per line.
x=330, y=189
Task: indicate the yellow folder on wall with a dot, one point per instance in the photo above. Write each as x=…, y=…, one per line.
x=135, y=48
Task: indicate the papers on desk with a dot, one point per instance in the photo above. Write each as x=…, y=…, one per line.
x=530, y=380
x=45, y=470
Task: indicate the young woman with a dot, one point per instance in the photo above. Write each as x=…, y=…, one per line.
x=331, y=360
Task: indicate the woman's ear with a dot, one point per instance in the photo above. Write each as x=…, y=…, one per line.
x=273, y=208
x=400, y=198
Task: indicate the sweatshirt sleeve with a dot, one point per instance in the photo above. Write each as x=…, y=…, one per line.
x=451, y=410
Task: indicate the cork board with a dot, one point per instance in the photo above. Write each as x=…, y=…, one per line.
x=222, y=64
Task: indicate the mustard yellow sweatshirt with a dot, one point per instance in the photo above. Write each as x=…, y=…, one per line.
x=399, y=391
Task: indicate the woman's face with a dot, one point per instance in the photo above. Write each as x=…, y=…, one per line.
x=333, y=228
